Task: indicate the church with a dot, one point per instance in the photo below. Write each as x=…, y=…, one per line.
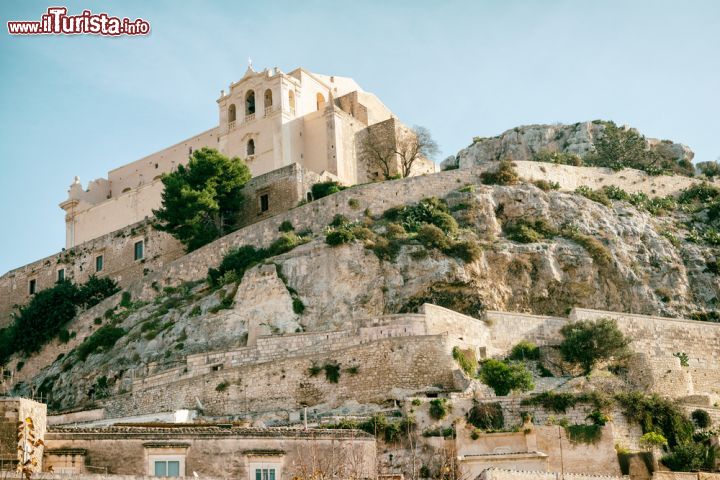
x=292, y=130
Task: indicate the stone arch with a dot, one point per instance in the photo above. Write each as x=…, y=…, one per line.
x=250, y=147
x=250, y=102
x=232, y=113
x=268, y=98
x=319, y=99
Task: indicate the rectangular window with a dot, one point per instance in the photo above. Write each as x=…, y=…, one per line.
x=167, y=468
x=264, y=203
x=32, y=286
x=61, y=275
x=99, y=263
x=264, y=474
x=139, y=246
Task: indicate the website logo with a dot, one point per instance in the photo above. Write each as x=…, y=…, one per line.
x=57, y=22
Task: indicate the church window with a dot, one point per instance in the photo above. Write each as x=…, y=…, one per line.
x=264, y=203
x=251, y=147
x=320, y=99
x=32, y=286
x=232, y=116
x=250, y=103
x=268, y=98
x=99, y=263
x=61, y=275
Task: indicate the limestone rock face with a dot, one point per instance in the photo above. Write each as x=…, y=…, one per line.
x=613, y=258
x=263, y=303
x=522, y=143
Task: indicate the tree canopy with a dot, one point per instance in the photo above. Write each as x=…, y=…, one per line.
x=202, y=200
x=588, y=342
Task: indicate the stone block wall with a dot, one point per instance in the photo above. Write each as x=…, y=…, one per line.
x=117, y=250
x=284, y=187
x=655, y=339
x=387, y=369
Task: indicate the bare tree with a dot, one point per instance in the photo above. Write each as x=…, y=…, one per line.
x=396, y=150
x=345, y=459
x=412, y=145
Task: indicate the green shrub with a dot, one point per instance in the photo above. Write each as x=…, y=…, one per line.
x=95, y=290
x=285, y=243
x=433, y=237
x=196, y=311
x=620, y=148
x=652, y=440
x=298, y=306
x=125, y=299
x=466, y=359
x=691, y=457
x=467, y=250
x=97, y=320
x=339, y=236
x=560, y=158
x=103, y=339
x=222, y=386
x=587, y=342
x=701, y=418
x=505, y=174
x=656, y=414
x=48, y=311
x=314, y=370
x=594, y=195
x=353, y=203
x=439, y=408
x=595, y=248
x=395, y=230
x=286, y=226
x=702, y=193
x=486, y=416
x=524, y=350
x=504, y=378
x=64, y=335
x=332, y=372
x=237, y=261
x=339, y=221
x=431, y=211
x=615, y=193
x=526, y=230
x=323, y=189
x=683, y=357
x=546, y=186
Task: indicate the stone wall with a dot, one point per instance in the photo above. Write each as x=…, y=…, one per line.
x=117, y=250
x=654, y=340
x=502, y=474
x=387, y=369
x=284, y=187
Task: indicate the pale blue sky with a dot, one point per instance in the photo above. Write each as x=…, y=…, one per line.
x=83, y=105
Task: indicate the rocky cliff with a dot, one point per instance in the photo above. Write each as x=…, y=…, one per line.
x=531, y=250
x=526, y=142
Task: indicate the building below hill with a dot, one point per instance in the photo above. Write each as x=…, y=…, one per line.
x=271, y=120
